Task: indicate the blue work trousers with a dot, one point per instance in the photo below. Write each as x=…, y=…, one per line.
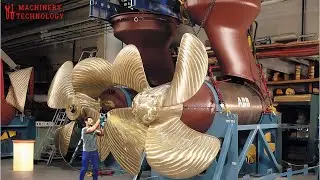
x=93, y=156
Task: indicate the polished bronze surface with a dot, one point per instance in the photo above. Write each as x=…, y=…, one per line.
x=103, y=147
x=127, y=138
x=174, y=150
x=226, y=28
x=189, y=73
x=19, y=86
x=92, y=76
x=61, y=94
x=115, y=98
x=153, y=123
x=61, y=90
x=152, y=35
x=63, y=136
x=128, y=70
x=77, y=105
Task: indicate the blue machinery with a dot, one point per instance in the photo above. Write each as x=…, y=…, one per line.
x=103, y=9
x=23, y=128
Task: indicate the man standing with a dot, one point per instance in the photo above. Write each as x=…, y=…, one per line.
x=88, y=136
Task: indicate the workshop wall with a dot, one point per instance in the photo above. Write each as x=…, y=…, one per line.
x=286, y=17
x=58, y=53
x=274, y=19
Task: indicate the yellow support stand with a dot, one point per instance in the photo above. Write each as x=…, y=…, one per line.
x=251, y=154
x=8, y=134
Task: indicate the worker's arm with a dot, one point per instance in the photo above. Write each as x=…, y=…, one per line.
x=93, y=128
x=100, y=132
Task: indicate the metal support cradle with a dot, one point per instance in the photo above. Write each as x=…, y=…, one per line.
x=230, y=163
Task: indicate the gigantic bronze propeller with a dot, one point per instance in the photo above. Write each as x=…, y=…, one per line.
x=18, y=89
x=76, y=90
x=153, y=123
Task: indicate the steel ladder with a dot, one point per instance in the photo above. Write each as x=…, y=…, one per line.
x=47, y=148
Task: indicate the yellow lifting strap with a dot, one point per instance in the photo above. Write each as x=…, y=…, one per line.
x=272, y=109
x=249, y=41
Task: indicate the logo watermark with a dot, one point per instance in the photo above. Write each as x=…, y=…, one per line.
x=33, y=12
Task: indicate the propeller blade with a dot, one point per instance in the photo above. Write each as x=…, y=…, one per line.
x=126, y=138
x=61, y=90
x=177, y=151
x=190, y=73
x=89, y=107
x=63, y=137
x=87, y=102
x=19, y=86
x=92, y=76
x=103, y=147
x=83, y=105
x=11, y=99
x=127, y=69
x=93, y=113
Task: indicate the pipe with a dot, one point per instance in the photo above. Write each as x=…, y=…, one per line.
x=33, y=47
x=67, y=34
x=303, y=19
x=92, y=30
x=39, y=30
x=265, y=3
x=73, y=51
x=56, y=37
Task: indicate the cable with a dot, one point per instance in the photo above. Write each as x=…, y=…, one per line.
x=65, y=159
x=299, y=165
x=99, y=149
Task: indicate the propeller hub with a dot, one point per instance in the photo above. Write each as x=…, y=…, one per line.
x=73, y=110
x=145, y=106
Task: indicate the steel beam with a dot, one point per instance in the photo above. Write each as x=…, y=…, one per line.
x=8, y=60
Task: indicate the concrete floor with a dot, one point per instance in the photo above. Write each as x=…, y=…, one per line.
x=42, y=172
x=62, y=172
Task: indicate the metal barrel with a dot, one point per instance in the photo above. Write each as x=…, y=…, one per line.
x=199, y=111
